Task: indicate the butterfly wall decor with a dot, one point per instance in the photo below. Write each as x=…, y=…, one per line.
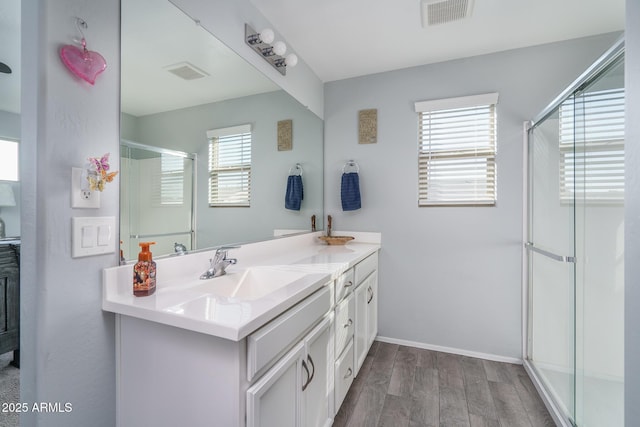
x=98, y=173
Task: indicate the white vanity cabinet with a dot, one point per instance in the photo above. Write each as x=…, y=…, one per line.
x=366, y=308
x=297, y=390
x=190, y=356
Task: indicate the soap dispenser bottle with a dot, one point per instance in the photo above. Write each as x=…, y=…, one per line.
x=144, y=272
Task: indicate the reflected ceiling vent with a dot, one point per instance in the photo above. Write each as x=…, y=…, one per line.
x=186, y=71
x=436, y=12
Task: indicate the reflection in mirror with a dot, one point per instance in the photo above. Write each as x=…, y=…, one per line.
x=160, y=208
x=182, y=88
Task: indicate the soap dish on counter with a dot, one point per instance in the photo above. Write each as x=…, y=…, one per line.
x=335, y=240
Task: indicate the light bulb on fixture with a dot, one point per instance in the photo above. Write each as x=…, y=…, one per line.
x=291, y=60
x=279, y=48
x=265, y=36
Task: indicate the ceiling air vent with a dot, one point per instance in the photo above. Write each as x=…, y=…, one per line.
x=186, y=71
x=436, y=12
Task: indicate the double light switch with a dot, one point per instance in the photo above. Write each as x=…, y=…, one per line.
x=92, y=236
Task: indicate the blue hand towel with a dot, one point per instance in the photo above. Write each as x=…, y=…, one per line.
x=350, y=191
x=294, y=195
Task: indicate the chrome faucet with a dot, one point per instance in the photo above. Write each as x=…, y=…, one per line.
x=179, y=249
x=219, y=263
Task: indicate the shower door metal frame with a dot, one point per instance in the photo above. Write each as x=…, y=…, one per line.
x=608, y=58
x=191, y=156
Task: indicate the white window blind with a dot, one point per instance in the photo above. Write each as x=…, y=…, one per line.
x=230, y=166
x=457, y=151
x=171, y=180
x=593, y=168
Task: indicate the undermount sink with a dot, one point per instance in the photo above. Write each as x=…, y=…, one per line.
x=249, y=284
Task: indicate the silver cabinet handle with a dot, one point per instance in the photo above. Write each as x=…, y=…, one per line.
x=349, y=323
x=313, y=368
x=348, y=374
x=306, y=383
x=348, y=284
x=370, y=294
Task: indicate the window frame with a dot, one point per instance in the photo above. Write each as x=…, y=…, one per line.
x=465, y=152
x=242, y=134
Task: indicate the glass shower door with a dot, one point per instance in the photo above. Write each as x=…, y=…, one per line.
x=575, y=327
x=552, y=276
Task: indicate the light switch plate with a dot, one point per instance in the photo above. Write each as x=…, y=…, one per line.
x=80, y=198
x=93, y=236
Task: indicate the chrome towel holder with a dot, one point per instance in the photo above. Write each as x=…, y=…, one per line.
x=350, y=164
x=296, y=170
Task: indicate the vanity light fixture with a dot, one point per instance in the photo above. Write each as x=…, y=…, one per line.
x=272, y=52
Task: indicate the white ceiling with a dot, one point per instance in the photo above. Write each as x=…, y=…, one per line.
x=337, y=38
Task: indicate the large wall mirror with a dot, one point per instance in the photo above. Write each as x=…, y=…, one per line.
x=186, y=96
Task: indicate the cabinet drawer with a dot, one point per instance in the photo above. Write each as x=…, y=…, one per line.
x=273, y=339
x=343, y=375
x=344, y=284
x=345, y=322
x=365, y=267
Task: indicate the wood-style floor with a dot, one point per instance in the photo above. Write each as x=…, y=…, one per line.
x=406, y=386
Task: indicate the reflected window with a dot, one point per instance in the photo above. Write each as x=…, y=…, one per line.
x=592, y=146
x=8, y=160
x=171, y=180
x=230, y=166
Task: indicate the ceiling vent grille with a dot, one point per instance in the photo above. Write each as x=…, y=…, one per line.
x=436, y=12
x=186, y=71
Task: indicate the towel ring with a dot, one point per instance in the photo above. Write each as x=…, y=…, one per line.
x=297, y=168
x=350, y=164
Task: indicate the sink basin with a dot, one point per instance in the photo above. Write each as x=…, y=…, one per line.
x=250, y=284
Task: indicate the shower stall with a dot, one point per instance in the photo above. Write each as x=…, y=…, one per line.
x=574, y=282
x=157, y=199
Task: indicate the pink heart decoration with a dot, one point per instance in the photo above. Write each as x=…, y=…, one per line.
x=84, y=63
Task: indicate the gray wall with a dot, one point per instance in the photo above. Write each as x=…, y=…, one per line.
x=632, y=214
x=449, y=276
x=67, y=341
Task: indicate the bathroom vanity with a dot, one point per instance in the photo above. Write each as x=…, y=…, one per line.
x=275, y=342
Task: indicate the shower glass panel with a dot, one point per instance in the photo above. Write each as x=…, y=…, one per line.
x=575, y=251
x=156, y=199
x=552, y=274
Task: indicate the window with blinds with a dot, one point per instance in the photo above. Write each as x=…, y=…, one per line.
x=592, y=147
x=230, y=166
x=457, y=151
x=171, y=180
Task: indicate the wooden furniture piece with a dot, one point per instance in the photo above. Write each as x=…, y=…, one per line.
x=10, y=299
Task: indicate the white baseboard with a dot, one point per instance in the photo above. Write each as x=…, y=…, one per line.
x=486, y=356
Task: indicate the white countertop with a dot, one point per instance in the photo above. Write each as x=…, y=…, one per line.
x=211, y=307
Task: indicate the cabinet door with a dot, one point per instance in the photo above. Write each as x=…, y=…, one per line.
x=9, y=307
x=274, y=400
x=360, y=344
x=317, y=388
x=372, y=308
